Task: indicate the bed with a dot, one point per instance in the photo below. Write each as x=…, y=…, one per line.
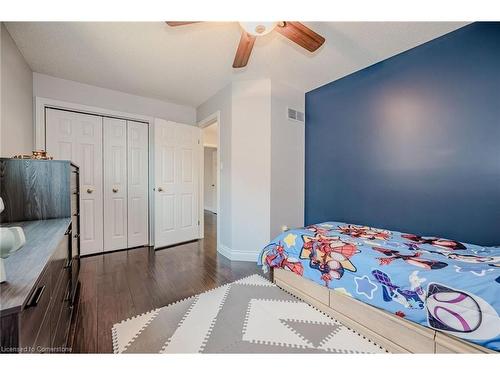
x=407, y=292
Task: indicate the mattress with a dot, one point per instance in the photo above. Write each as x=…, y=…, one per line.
x=439, y=283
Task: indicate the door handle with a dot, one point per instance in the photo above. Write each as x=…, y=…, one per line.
x=115, y=190
x=90, y=190
x=160, y=189
x=212, y=185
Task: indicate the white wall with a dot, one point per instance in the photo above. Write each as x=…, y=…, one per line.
x=262, y=180
x=74, y=92
x=222, y=101
x=251, y=168
x=245, y=142
x=287, y=159
x=16, y=130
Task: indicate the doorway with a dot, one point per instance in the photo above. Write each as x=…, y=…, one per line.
x=210, y=180
x=210, y=146
x=210, y=165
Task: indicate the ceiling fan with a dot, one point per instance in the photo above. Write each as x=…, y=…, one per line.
x=295, y=31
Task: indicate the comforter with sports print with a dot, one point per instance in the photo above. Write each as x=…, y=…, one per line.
x=449, y=286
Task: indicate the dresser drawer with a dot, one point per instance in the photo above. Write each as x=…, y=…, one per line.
x=74, y=203
x=75, y=271
x=75, y=248
x=34, y=311
x=61, y=331
x=59, y=298
x=74, y=227
x=42, y=344
x=59, y=259
x=73, y=179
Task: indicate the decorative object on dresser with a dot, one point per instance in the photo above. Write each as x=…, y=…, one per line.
x=38, y=298
x=37, y=154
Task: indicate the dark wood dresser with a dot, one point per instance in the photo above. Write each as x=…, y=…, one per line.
x=37, y=300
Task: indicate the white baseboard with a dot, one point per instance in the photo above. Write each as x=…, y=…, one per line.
x=239, y=255
x=224, y=251
x=211, y=209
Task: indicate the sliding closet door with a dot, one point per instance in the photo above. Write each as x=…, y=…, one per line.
x=115, y=183
x=176, y=181
x=78, y=137
x=138, y=214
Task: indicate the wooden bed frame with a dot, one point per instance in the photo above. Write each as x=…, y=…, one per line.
x=395, y=334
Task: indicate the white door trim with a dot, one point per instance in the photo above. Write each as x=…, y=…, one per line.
x=209, y=120
x=40, y=103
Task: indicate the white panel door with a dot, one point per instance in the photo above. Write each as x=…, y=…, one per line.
x=176, y=182
x=138, y=213
x=115, y=183
x=78, y=137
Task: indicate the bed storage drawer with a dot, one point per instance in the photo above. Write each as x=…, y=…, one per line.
x=393, y=333
x=301, y=284
x=411, y=336
x=449, y=344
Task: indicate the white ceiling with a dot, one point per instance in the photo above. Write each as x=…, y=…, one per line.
x=188, y=64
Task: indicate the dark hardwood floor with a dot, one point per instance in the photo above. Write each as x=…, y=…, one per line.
x=119, y=285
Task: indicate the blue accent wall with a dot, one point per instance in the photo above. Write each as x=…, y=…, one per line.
x=412, y=143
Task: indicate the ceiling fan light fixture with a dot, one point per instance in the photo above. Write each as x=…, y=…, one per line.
x=295, y=31
x=258, y=28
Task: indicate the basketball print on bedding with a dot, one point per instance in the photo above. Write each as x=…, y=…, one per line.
x=452, y=310
x=460, y=313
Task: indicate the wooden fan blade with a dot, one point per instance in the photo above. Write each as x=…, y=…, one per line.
x=301, y=34
x=180, y=23
x=244, y=50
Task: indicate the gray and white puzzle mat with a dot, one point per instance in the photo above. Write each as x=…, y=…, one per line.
x=251, y=315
